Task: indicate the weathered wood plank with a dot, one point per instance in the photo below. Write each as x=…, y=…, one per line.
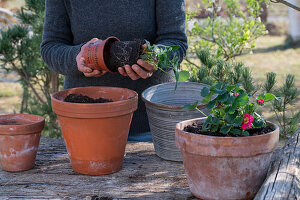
x=144, y=176
x=283, y=181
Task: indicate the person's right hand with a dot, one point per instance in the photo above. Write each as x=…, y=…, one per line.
x=88, y=72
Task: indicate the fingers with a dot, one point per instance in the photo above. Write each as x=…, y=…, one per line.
x=122, y=71
x=131, y=73
x=148, y=67
x=81, y=66
x=144, y=46
x=94, y=73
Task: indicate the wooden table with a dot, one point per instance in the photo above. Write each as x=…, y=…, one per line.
x=144, y=176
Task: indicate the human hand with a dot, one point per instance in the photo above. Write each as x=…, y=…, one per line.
x=135, y=71
x=87, y=71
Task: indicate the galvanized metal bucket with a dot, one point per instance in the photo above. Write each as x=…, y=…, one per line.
x=164, y=110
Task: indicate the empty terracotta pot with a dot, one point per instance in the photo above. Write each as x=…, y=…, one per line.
x=19, y=141
x=97, y=53
x=225, y=167
x=96, y=134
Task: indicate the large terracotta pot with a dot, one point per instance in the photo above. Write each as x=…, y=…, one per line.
x=96, y=134
x=19, y=141
x=225, y=167
x=97, y=53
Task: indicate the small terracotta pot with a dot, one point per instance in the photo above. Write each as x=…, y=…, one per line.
x=19, y=141
x=97, y=53
x=225, y=167
x=96, y=134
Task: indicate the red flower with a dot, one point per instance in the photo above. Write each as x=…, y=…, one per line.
x=260, y=101
x=246, y=123
x=236, y=94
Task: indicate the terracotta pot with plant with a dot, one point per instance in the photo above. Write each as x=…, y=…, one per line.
x=95, y=122
x=227, y=154
x=19, y=140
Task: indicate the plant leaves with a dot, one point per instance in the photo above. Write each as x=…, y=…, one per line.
x=204, y=91
x=225, y=129
x=269, y=97
x=190, y=106
x=215, y=121
x=183, y=76
x=236, y=131
x=238, y=121
x=211, y=104
x=242, y=100
x=176, y=47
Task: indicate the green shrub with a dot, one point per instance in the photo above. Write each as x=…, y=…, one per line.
x=20, y=53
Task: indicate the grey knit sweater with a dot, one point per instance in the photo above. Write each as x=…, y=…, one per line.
x=71, y=23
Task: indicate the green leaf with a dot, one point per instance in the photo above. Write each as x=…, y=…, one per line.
x=214, y=128
x=190, y=106
x=207, y=98
x=204, y=91
x=225, y=129
x=211, y=104
x=219, y=91
x=183, y=76
x=207, y=122
x=229, y=119
x=215, y=121
x=238, y=121
x=245, y=133
x=223, y=97
x=236, y=131
x=174, y=48
x=269, y=97
x=230, y=88
x=242, y=100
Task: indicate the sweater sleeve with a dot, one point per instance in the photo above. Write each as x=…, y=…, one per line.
x=170, y=20
x=57, y=49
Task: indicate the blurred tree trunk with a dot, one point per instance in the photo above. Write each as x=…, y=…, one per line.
x=54, y=82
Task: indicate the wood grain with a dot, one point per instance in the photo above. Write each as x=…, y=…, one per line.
x=283, y=181
x=144, y=176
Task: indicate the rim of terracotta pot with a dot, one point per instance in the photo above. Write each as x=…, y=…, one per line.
x=26, y=124
x=123, y=103
x=159, y=105
x=225, y=146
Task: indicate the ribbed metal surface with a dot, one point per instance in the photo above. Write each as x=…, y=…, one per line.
x=164, y=112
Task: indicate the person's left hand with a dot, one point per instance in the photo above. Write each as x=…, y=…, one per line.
x=135, y=71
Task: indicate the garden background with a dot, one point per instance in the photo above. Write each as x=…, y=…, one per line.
x=274, y=51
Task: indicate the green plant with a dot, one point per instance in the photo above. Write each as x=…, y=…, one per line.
x=20, y=53
x=160, y=56
x=233, y=110
x=228, y=30
x=213, y=70
x=283, y=106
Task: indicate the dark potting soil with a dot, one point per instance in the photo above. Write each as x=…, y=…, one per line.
x=197, y=129
x=123, y=53
x=79, y=98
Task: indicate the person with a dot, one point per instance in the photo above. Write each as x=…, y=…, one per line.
x=70, y=25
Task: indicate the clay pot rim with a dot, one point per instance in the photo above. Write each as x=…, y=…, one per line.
x=35, y=124
x=125, y=101
x=159, y=105
x=275, y=126
x=95, y=110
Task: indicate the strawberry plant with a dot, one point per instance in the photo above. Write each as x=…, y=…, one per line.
x=233, y=110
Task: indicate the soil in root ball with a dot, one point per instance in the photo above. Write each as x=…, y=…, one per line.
x=79, y=98
x=197, y=129
x=123, y=53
